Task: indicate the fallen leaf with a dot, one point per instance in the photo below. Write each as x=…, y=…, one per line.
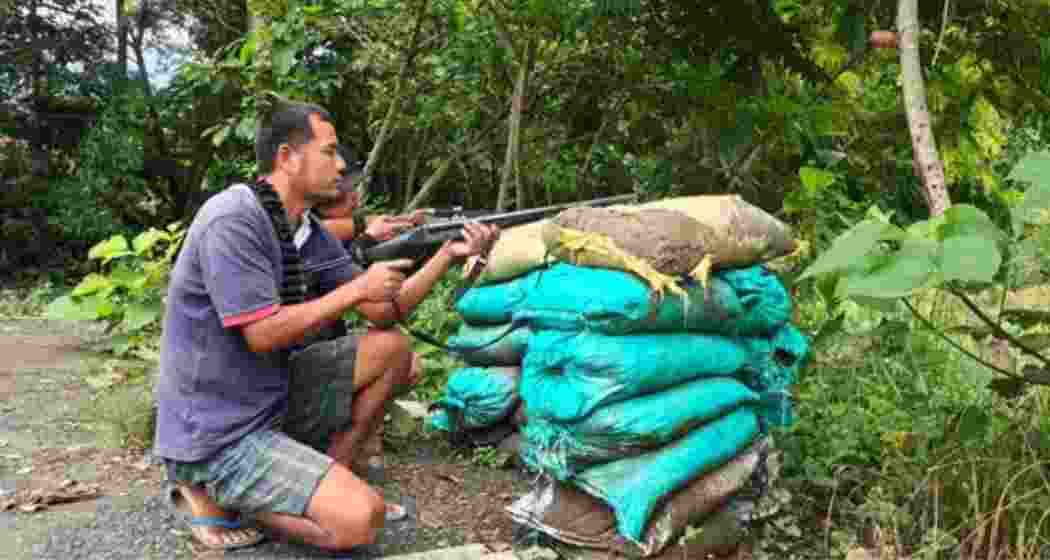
x=30, y=508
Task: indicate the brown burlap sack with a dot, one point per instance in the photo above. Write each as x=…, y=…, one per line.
x=746, y=234
x=657, y=245
x=574, y=517
x=518, y=251
x=743, y=234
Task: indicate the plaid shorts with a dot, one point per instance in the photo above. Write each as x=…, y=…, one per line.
x=278, y=468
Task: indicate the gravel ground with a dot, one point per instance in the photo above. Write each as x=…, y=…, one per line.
x=42, y=444
x=151, y=531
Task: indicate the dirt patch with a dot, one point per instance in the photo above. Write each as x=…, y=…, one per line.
x=454, y=495
x=111, y=472
x=22, y=352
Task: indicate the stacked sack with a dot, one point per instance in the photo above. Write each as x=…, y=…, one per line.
x=653, y=353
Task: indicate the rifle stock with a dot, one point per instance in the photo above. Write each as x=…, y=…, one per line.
x=422, y=242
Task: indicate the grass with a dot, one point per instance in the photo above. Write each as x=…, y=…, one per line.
x=903, y=445
x=27, y=299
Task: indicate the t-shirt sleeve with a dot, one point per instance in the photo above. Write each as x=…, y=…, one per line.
x=239, y=271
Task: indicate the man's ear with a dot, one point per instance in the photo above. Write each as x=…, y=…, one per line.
x=288, y=159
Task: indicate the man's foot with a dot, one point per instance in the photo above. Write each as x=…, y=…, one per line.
x=212, y=526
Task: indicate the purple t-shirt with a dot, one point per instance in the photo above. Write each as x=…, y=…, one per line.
x=213, y=389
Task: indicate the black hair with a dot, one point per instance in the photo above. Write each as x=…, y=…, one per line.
x=289, y=124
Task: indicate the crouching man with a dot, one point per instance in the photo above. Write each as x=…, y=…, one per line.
x=257, y=413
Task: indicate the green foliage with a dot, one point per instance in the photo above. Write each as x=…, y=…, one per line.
x=127, y=292
x=878, y=259
x=122, y=412
x=436, y=317
x=28, y=301
x=489, y=457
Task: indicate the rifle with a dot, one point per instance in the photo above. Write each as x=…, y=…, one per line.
x=453, y=213
x=422, y=242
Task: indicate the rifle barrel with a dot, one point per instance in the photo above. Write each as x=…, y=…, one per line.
x=511, y=216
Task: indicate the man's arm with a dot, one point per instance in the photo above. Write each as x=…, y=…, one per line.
x=476, y=238
x=413, y=291
x=292, y=322
x=344, y=228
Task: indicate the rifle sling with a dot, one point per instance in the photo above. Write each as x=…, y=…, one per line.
x=461, y=352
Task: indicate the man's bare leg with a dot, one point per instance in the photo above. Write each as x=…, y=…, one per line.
x=384, y=363
x=343, y=513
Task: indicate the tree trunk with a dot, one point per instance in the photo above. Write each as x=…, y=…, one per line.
x=395, y=102
x=927, y=161
x=122, y=39
x=408, y=189
x=258, y=22
x=137, y=45
x=424, y=192
x=510, y=161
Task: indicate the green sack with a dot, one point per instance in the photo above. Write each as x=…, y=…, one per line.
x=633, y=487
x=629, y=427
x=477, y=398
x=499, y=345
x=738, y=302
x=566, y=375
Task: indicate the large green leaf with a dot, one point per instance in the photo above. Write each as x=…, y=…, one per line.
x=139, y=315
x=66, y=309
x=896, y=274
x=970, y=258
x=125, y=277
x=283, y=59
x=248, y=48
x=92, y=283
x=965, y=220
x=815, y=180
x=114, y=247
x=1035, y=170
x=102, y=306
x=148, y=239
x=850, y=247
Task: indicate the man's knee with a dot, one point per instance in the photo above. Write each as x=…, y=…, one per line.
x=350, y=512
x=359, y=525
x=392, y=343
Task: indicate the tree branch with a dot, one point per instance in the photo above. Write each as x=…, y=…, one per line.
x=929, y=325
x=395, y=101
x=996, y=329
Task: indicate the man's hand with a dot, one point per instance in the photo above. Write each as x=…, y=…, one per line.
x=384, y=227
x=382, y=281
x=477, y=239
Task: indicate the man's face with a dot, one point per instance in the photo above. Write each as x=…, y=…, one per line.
x=317, y=166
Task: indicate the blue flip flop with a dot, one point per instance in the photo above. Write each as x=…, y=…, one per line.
x=181, y=508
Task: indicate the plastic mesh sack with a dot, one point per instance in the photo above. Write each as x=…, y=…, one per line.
x=571, y=516
x=738, y=302
x=629, y=427
x=499, y=345
x=775, y=363
x=477, y=398
x=566, y=376
x=633, y=487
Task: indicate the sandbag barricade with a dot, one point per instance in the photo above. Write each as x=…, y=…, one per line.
x=645, y=406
